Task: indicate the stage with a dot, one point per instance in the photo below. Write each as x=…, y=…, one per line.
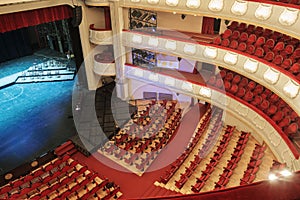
x=36, y=114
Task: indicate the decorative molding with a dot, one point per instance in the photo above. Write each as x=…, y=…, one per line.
x=288, y=17
x=263, y=11
x=239, y=7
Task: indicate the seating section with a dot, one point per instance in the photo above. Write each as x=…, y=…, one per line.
x=204, y=122
x=260, y=97
x=61, y=178
x=142, y=138
x=271, y=46
x=253, y=165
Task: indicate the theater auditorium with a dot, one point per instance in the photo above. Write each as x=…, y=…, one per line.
x=150, y=99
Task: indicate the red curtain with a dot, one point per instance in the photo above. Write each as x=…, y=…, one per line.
x=14, y=21
x=107, y=18
x=208, y=25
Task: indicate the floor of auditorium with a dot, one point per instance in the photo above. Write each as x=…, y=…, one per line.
x=35, y=117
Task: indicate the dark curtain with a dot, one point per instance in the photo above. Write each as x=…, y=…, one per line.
x=107, y=18
x=14, y=44
x=208, y=25
x=14, y=21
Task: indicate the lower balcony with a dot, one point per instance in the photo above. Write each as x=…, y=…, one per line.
x=104, y=65
x=100, y=36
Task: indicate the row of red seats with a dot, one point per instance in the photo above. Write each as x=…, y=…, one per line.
x=197, y=159
x=278, y=49
x=178, y=162
x=262, y=98
x=214, y=160
x=253, y=165
x=59, y=178
x=235, y=158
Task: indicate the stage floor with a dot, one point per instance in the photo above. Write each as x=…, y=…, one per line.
x=35, y=117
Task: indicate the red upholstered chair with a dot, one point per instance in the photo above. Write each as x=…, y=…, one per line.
x=235, y=35
x=260, y=41
x=236, y=79
x=241, y=92
x=267, y=32
x=219, y=83
x=229, y=76
x=278, y=116
x=271, y=110
x=278, y=34
x=270, y=43
x=250, y=49
x=264, y=105
x=217, y=40
x=225, y=43
x=234, y=89
x=251, y=39
x=289, y=49
x=285, y=122
x=251, y=85
x=295, y=68
x=242, y=27
x=274, y=98
x=212, y=80
x=296, y=54
x=227, y=34
x=286, y=64
x=250, y=28
x=243, y=82
x=294, y=115
x=281, y=103
x=294, y=42
x=278, y=60
x=279, y=47
x=227, y=85
x=242, y=46
x=233, y=25
x=243, y=37
x=222, y=73
x=292, y=129
x=258, y=89
x=269, y=56
x=248, y=96
x=259, y=52
x=256, y=101
x=234, y=44
x=286, y=37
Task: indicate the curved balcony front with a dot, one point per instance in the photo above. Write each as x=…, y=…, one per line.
x=277, y=17
x=279, y=143
x=100, y=36
x=104, y=67
x=262, y=72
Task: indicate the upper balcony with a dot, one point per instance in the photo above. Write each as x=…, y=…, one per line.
x=100, y=36
x=270, y=76
x=277, y=17
x=97, y=2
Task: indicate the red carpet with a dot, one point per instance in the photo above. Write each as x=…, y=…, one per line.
x=135, y=187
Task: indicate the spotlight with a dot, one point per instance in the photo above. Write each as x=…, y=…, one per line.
x=183, y=16
x=77, y=108
x=153, y=17
x=285, y=173
x=174, y=13
x=272, y=177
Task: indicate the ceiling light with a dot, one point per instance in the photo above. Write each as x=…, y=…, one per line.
x=286, y=173
x=263, y=11
x=272, y=177
x=239, y=7
x=216, y=5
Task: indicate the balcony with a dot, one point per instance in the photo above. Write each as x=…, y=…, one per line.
x=100, y=36
x=270, y=76
x=104, y=64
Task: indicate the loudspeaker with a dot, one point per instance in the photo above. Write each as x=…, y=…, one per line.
x=77, y=16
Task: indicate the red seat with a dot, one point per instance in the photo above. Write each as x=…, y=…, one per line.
x=264, y=105
x=225, y=43
x=217, y=40
x=278, y=60
x=286, y=64
x=248, y=96
x=292, y=129
x=257, y=100
x=227, y=34
x=296, y=54
x=243, y=82
x=269, y=56
x=234, y=89
x=229, y=76
x=278, y=116
x=278, y=47
x=295, y=68
x=289, y=49
x=250, y=28
x=258, y=89
x=242, y=27
x=236, y=79
x=241, y=92
x=242, y=46
x=250, y=49
x=270, y=43
x=233, y=25
x=243, y=37
x=233, y=44
x=267, y=32
x=259, y=52
x=235, y=35
x=274, y=98
x=285, y=122
x=251, y=85
x=251, y=39
x=258, y=30
x=260, y=41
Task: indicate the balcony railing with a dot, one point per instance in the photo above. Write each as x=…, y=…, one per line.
x=100, y=36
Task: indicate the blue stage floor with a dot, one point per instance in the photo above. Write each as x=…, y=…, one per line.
x=34, y=117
